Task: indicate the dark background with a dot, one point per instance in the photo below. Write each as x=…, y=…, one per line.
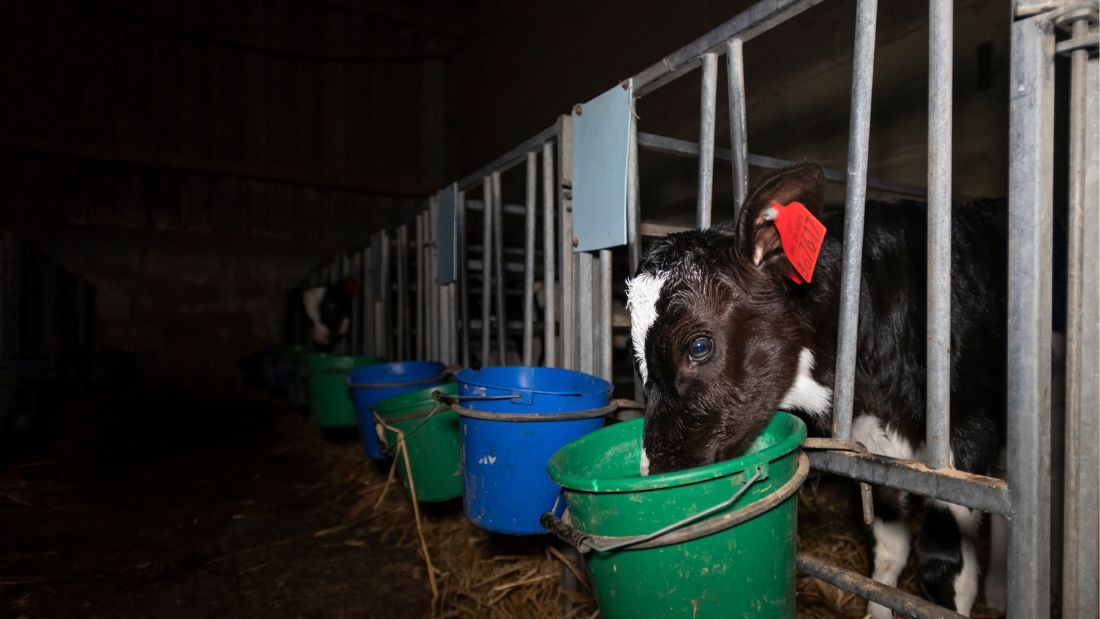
x=193, y=160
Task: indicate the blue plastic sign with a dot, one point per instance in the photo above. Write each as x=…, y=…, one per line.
x=601, y=142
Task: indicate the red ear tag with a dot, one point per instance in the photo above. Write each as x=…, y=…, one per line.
x=801, y=235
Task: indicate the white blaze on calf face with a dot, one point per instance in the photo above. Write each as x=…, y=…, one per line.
x=311, y=299
x=642, y=293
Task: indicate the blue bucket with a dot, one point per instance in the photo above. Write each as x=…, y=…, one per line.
x=504, y=457
x=373, y=383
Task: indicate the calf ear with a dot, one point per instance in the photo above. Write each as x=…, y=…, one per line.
x=757, y=238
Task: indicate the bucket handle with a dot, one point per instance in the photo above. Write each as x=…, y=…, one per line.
x=684, y=530
x=408, y=383
x=588, y=413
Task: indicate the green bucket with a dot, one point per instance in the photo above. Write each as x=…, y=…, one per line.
x=729, y=529
x=431, y=438
x=328, y=388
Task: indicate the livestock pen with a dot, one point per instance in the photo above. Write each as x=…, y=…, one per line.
x=557, y=220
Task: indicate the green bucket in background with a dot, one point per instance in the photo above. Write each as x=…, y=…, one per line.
x=431, y=438
x=328, y=388
x=745, y=570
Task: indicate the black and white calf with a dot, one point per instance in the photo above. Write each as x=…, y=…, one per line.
x=723, y=338
x=328, y=309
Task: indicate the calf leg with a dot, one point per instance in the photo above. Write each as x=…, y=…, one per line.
x=889, y=544
x=947, y=557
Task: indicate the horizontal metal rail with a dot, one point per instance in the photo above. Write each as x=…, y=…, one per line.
x=758, y=18
x=509, y=209
x=674, y=146
x=987, y=494
x=907, y=604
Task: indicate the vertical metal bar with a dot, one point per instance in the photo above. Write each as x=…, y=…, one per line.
x=707, y=104
x=1030, y=183
x=1081, y=529
x=463, y=286
x=385, y=336
x=486, y=267
x=585, y=313
x=938, y=386
x=402, y=293
x=529, y=261
x=498, y=244
x=568, y=261
x=418, y=257
x=739, y=137
x=603, y=327
x=858, y=136
x=633, y=221
x=432, y=262
x=549, y=326
x=368, y=301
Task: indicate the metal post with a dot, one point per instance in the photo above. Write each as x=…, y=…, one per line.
x=549, y=344
x=529, y=261
x=633, y=216
x=938, y=387
x=858, y=136
x=739, y=137
x=586, y=311
x=369, y=332
x=418, y=257
x=1031, y=123
x=402, y=292
x=603, y=326
x=565, y=199
x=433, y=281
x=463, y=286
x=498, y=257
x=385, y=335
x=1080, y=566
x=707, y=104
x=486, y=268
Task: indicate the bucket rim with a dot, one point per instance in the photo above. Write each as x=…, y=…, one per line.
x=574, y=482
x=464, y=376
x=420, y=398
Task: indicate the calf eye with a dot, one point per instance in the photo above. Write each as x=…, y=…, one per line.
x=701, y=348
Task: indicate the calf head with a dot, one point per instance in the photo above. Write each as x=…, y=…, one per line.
x=717, y=338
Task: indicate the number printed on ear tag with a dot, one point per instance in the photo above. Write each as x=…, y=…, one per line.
x=801, y=235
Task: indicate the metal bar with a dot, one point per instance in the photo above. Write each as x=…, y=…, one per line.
x=463, y=278
x=907, y=604
x=708, y=96
x=938, y=384
x=585, y=313
x=685, y=148
x=987, y=494
x=507, y=209
x=568, y=260
x=402, y=292
x=385, y=336
x=858, y=136
x=1081, y=530
x=1031, y=123
x=603, y=326
x=758, y=18
x=509, y=267
x=739, y=137
x=368, y=301
x=510, y=159
x=432, y=263
x=633, y=215
x=549, y=343
x=529, y=261
x=654, y=229
x=486, y=267
x=498, y=266
x=354, y=337
x=418, y=256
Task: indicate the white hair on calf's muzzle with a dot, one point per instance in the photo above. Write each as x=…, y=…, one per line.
x=642, y=293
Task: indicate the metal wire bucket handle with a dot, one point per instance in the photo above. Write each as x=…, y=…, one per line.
x=588, y=413
x=689, y=528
